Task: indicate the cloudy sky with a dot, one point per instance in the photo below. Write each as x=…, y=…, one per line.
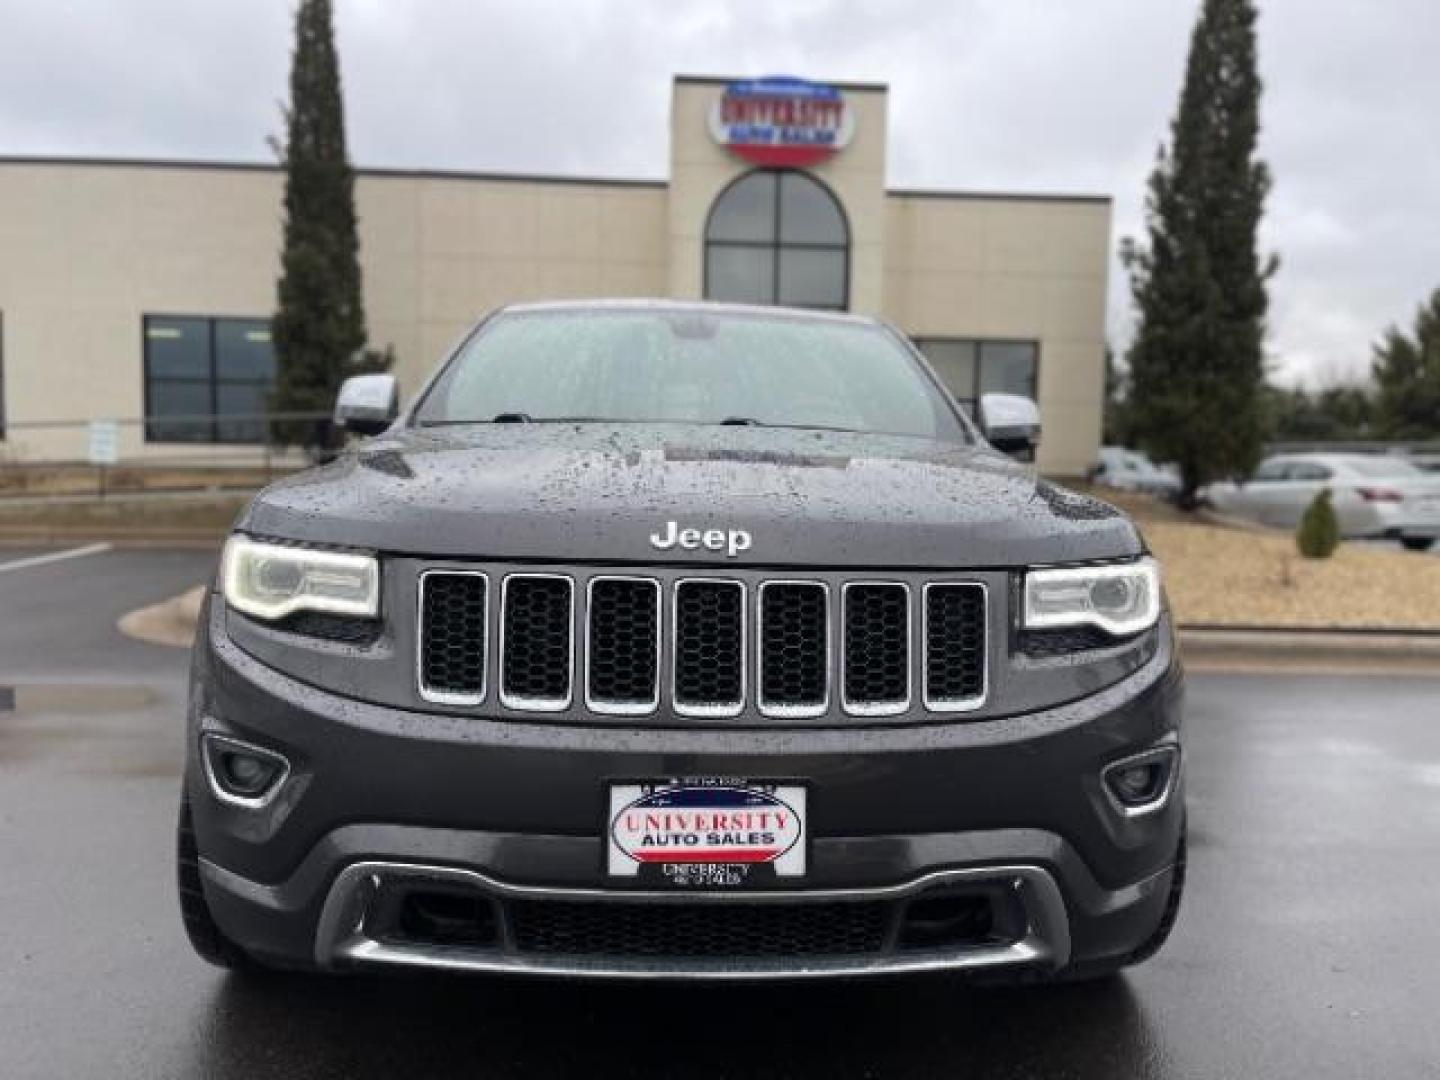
x=1021, y=95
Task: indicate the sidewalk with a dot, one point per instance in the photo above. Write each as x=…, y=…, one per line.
x=197, y=519
x=1315, y=652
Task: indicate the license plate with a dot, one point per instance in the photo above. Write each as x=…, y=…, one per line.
x=706, y=833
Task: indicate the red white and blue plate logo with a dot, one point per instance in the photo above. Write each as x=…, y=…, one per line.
x=782, y=122
x=705, y=822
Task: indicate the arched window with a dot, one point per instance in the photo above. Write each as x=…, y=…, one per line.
x=778, y=237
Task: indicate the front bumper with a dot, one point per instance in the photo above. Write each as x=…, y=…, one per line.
x=379, y=799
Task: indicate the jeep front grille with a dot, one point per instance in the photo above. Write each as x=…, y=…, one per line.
x=704, y=647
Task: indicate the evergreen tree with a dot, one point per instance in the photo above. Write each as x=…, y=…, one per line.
x=1334, y=414
x=1319, y=533
x=319, y=327
x=1116, y=430
x=1407, y=376
x=1196, y=368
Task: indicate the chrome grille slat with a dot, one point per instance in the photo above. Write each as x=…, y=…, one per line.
x=537, y=642
x=622, y=669
x=875, y=659
x=956, y=660
x=452, y=633
x=708, y=648
x=786, y=649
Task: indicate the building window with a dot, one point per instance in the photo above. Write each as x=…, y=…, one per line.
x=970, y=368
x=778, y=237
x=207, y=380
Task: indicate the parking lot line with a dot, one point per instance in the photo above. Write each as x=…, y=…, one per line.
x=54, y=556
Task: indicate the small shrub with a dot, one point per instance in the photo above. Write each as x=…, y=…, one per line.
x=1319, y=532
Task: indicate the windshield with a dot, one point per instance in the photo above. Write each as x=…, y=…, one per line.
x=694, y=367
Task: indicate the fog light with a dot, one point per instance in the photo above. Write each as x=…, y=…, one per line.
x=242, y=774
x=246, y=774
x=1141, y=784
x=1137, y=783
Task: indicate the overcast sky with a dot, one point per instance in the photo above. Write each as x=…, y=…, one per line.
x=1016, y=95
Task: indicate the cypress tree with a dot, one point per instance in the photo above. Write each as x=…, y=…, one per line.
x=319, y=326
x=1319, y=533
x=1197, y=368
x=1407, y=378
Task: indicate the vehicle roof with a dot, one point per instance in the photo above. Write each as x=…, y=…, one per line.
x=689, y=307
x=1321, y=458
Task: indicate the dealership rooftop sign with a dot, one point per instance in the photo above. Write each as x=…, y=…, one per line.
x=780, y=121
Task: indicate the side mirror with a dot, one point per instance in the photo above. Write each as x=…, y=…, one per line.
x=367, y=404
x=1011, y=423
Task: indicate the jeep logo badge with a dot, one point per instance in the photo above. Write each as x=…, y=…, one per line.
x=731, y=541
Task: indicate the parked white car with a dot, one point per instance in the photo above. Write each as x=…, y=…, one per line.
x=1374, y=496
x=1130, y=470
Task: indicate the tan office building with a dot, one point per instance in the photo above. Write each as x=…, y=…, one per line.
x=142, y=289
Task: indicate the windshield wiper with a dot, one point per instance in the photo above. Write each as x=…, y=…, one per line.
x=521, y=418
x=745, y=421
x=729, y=421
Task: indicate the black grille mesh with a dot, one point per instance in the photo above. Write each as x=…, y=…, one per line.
x=580, y=928
x=537, y=638
x=877, y=644
x=793, y=660
x=345, y=629
x=955, y=643
x=452, y=634
x=1064, y=640
x=709, y=643
x=624, y=641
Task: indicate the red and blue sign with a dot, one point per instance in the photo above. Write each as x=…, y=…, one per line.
x=717, y=822
x=782, y=122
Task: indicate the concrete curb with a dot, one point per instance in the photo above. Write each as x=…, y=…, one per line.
x=1319, y=652
x=1338, y=640
x=171, y=622
x=138, y=538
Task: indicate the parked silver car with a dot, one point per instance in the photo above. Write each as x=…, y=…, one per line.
x=1374, y=496
x=1130, y=470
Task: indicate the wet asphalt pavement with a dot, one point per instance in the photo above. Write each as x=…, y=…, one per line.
x=1307, y=946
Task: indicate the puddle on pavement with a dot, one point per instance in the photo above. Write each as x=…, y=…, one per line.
x=120, y=731
x=89, y=700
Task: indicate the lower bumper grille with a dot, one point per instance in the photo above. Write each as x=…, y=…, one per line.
x=702, y=930
x=462, y=920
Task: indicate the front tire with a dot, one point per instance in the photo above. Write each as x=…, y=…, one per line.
x=1417, y=543
x=205, y=935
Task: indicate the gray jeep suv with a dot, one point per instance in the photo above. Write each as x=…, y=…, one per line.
x=674, y=639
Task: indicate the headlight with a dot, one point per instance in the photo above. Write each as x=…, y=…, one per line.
x=1121, y=599
x=271, y=581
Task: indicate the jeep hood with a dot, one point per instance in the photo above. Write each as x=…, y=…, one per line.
x=596, y=492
